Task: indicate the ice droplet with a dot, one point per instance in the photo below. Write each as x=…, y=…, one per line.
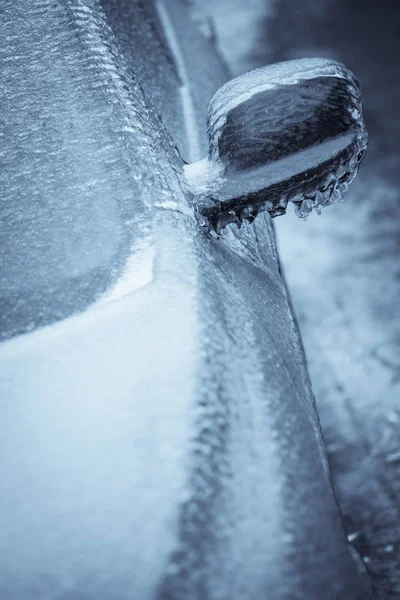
x=353, y=536
x=336, y=195
x=319, y=198
x=393, y=457
x=306, y=207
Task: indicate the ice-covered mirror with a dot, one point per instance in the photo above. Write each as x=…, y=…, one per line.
x=292, y=131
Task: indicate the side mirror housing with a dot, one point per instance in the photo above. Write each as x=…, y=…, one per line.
x=289, y=132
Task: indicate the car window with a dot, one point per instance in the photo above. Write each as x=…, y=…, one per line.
x=141, y=39
x=82, y=157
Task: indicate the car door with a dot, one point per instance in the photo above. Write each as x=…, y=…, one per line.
x=160, y=438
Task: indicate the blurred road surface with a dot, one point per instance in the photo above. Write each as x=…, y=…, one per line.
x=343, y=268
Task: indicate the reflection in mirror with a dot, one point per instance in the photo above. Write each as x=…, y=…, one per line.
x=289, y=132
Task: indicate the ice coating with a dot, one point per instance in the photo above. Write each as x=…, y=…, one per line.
x=287, y=132
x=83, y=157
x=162, y=441
x=290, y=72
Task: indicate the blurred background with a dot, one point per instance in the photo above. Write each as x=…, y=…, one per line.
x=343, y=268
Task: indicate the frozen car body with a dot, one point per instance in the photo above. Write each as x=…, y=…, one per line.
x=160, y=438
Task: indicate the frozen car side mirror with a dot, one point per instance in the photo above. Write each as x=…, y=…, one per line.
x=289, y=132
